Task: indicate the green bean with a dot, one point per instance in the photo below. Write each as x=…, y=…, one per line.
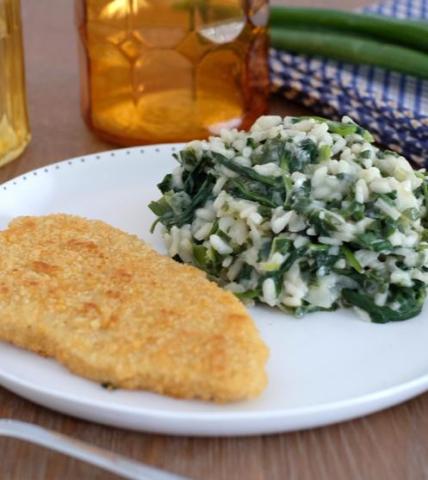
x=409, y=33
x=351, y=48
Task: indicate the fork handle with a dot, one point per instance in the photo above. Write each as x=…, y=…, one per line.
x=104, y=459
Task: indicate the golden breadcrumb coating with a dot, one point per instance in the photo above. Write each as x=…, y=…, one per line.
x=113, y=310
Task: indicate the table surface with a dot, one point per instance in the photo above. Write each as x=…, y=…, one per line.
x=391, y=444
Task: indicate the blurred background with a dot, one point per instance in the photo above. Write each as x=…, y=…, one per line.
x=52, y=61
x=391, y=105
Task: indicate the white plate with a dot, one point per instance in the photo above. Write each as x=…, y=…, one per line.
x=323, y=369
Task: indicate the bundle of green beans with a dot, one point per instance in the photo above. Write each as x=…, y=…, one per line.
x=394, y=44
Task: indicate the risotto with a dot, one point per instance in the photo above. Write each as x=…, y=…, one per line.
x=303, y=214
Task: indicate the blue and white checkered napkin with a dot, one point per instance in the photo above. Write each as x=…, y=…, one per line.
x=393, y=106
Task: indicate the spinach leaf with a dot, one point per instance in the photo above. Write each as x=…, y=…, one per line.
x=299, y=199
x=322, y=261
x=354, y=211
x=410, y=302
x=178, y=208
x=240, y=189
x=265, y=250
x=272, y=151
x=245, y=272
x=297, y=157
x=281, y=245
x=341, y=128
x=278, y=276
x=187, y=158
x=372, y=241
x=166, y=184
x=196, y=176
x=244, y=171
x=249, y=295
x=351, y=260
x=323, y=222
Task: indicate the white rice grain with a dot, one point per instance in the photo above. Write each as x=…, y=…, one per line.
x=220, y=245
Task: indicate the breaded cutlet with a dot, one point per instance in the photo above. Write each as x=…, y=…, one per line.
x=113, y=310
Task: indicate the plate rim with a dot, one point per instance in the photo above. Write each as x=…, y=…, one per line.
x=419, y=384
x=94, y=157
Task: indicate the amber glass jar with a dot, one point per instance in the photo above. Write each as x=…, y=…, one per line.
x=172, y=70
x=14, y=129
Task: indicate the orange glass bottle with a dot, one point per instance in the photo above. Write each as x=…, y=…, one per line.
x=172, y=70
x=14, y=128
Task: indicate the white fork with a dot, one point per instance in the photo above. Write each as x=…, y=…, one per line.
x=104, y=459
